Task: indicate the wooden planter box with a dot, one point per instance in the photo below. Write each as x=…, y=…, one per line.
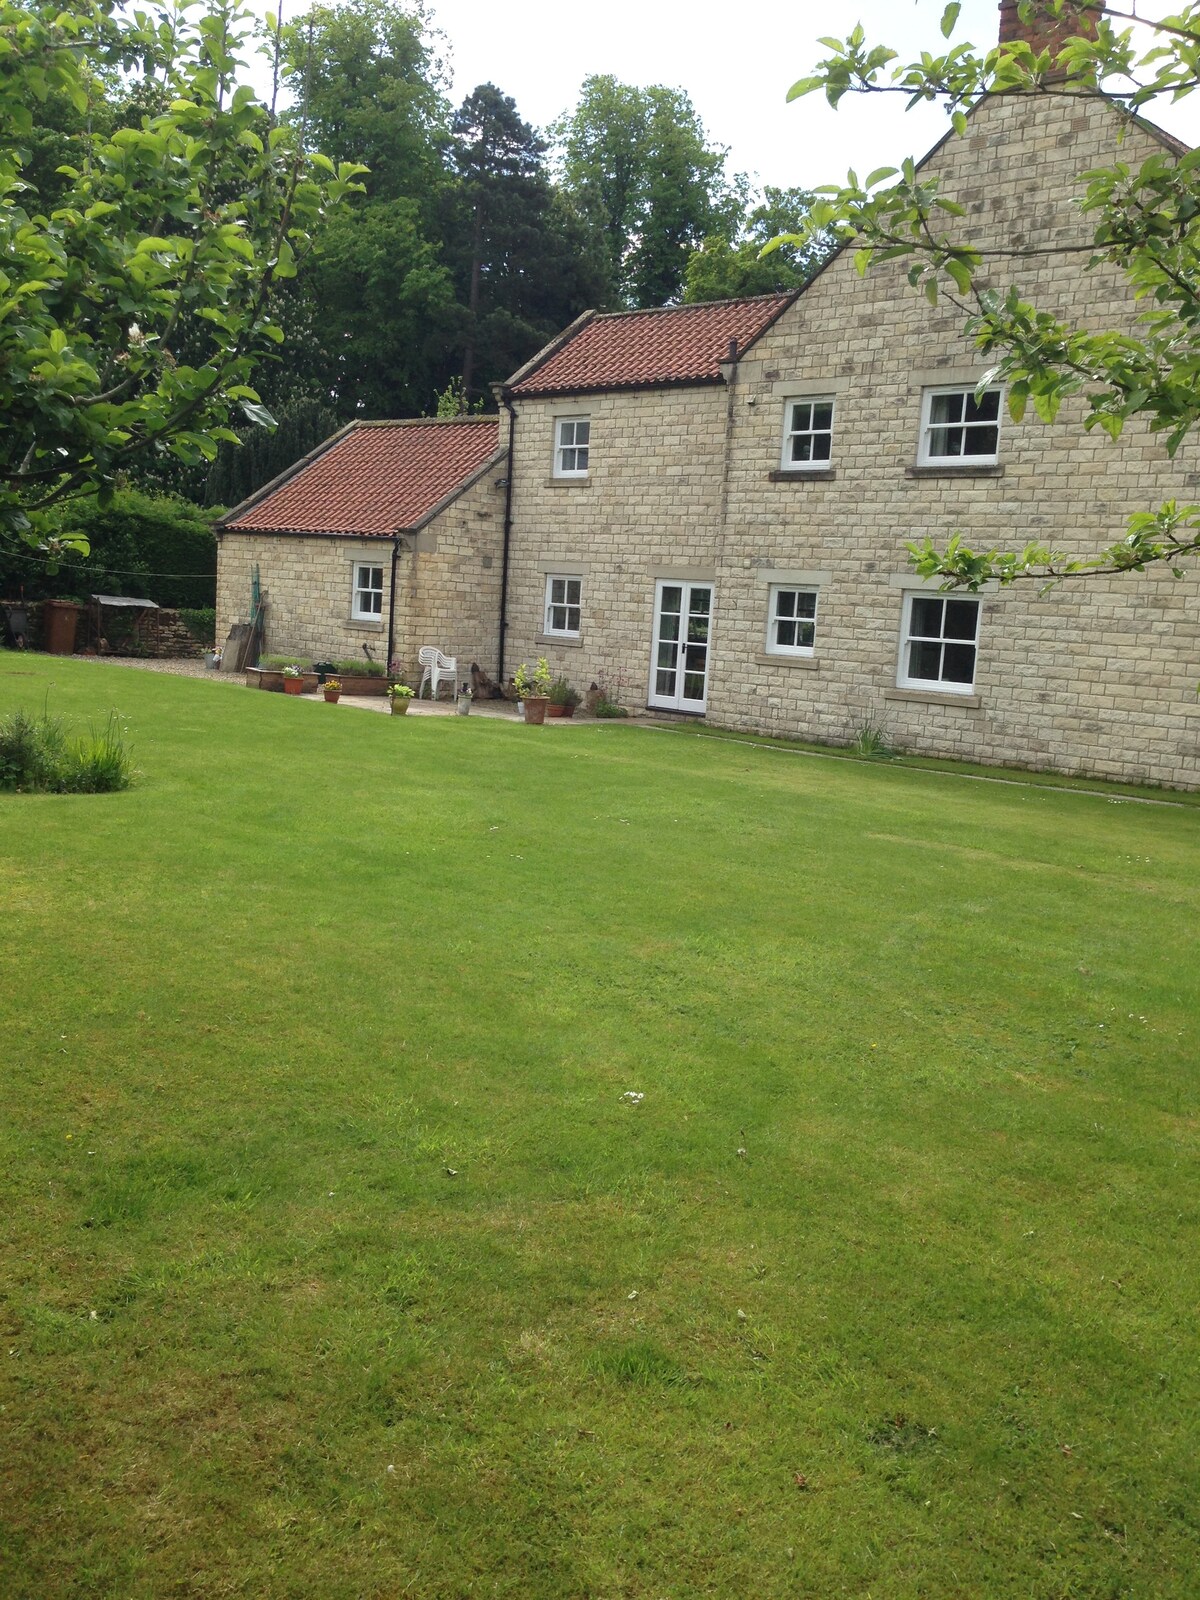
x=352, y=684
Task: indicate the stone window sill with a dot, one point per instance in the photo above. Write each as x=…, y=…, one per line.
x=364, y=625
x=926, y=697
x=560, y=640
x=568, y=483
x=817, y=474
x=768, y=658
x=965, y=471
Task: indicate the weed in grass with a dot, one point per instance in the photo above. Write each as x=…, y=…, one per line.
x=641, y=1363
x=870, y=740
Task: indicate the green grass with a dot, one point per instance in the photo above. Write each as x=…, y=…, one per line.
x=908, y=1210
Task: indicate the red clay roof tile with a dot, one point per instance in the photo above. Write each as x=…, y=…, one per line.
x=643, y=349
x=377, y=478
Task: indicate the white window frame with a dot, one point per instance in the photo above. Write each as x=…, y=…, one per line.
x=938, y=685
x=562, y=446
x=925, y=456
x=565, y=604
x=358, y=590
x=774, y=648
x=825, y=464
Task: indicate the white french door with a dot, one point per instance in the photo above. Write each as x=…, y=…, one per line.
x=682, y=631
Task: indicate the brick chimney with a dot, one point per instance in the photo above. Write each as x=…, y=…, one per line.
x=1044, y=31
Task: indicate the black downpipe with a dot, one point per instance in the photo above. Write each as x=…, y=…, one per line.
x=508, y=498
x=392, y=609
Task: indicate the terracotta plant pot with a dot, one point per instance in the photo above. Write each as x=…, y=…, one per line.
x=332, y=696
x=555, y=711
x=535, y=709
x=568, y=711
x=293, y=686
x=399, y=707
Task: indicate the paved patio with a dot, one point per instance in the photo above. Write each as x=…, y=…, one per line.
x=188, y=667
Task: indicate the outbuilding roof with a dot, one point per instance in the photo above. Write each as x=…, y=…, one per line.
x=647, y=349
x=373, y=479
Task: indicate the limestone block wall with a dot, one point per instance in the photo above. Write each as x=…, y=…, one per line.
x=447, y=587
x=650, y=507
x=1099, y=676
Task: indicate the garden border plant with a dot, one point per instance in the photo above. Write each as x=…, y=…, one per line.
x=38, y=757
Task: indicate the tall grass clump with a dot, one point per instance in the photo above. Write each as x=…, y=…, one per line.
x=36, y=757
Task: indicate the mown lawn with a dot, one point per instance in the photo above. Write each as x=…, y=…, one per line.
x=335, y=1265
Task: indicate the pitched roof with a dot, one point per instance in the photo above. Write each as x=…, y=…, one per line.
x=648, y=349
x=372, y=478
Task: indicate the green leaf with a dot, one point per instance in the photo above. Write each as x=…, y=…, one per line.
x=950, y=18
x=802, y=87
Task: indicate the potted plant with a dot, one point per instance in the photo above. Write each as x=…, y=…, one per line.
x=533, y=689
x=463, y=704
x=333, y=691
x=293, y=680
x=400, y=695
x=563, y=699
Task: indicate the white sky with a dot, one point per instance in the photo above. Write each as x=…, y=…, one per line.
x=736, y=59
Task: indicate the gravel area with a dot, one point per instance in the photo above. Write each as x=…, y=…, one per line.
x=175, y=666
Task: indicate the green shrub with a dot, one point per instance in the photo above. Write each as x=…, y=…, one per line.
x=155, y=545
x=201, y=623
x=277, y=663
x=36, y=757
x=360, y=669
x=609, y=708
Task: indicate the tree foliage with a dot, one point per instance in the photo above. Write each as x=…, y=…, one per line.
x=521, y=261
x=135, y=295
x=723, y=269
x=638, y=167
x=1144, y=220
x=160, y=546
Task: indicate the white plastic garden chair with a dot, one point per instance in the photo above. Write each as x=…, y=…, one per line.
x=437, y=666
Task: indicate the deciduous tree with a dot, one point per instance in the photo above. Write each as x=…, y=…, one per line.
x=136, y=298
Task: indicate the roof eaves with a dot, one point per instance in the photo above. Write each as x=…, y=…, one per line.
x=285, y=476
x=647, y=385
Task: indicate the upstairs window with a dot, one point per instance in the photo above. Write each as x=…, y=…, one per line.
x=939, y=644
x=367, y=605
x=792, y=624
x=572, y=436
x=563, y=602
x=957, y=429
x=808, y=434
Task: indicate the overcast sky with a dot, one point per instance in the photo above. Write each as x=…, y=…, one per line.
x=736, y=59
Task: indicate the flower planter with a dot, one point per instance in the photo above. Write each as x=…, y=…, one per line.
x=265, y=678
x=535, y=709
x=332, y=696
x=293, y=685
x=555, y=711
x=362, y=684
x=400, y=707
x=568, y=711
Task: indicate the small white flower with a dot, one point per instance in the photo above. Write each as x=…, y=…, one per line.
x=632, y=1295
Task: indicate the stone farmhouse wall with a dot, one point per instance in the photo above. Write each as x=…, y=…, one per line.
x=1098, y=676
x=650, y=507
x=447, y=587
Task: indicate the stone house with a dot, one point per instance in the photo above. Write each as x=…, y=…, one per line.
x=707, y=508
x=384, y=538
x=739, y=550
